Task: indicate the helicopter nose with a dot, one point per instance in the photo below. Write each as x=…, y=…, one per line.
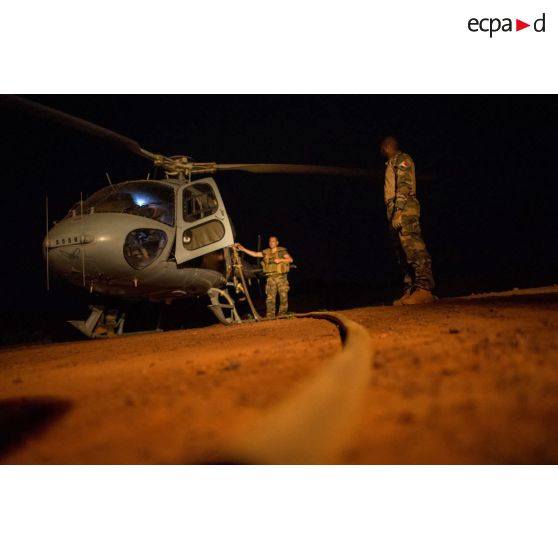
x=62, y=247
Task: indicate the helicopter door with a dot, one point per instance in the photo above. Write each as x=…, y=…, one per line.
x=203, y=225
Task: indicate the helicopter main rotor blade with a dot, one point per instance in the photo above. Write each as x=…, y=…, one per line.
x=280, y=168
x=177, y=165
x=79, y=124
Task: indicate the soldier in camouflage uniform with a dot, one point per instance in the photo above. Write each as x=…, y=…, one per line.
x=403, y=212
x=276, y=262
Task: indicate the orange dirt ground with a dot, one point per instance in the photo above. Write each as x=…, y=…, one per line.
x=464, y=380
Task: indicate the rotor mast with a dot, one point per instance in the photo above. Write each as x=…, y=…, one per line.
x=179, y=166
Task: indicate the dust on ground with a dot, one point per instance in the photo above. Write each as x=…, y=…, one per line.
x=464, y=380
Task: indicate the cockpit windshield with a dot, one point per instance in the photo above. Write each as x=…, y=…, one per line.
x=147, y=199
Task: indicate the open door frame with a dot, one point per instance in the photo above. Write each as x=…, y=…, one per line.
x=203, y=225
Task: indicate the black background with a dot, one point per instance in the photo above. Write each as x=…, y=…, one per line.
x=487, y=183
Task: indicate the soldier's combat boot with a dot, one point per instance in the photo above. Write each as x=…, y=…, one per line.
x=401, y=300
x=418, y=296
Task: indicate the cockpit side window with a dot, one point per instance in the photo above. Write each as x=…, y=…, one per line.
x=146, y=199
x=198, y=201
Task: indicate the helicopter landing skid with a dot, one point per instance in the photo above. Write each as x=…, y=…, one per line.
x=225, y=312
x=100, y=324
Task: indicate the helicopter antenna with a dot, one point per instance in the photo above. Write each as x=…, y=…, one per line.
x=47, y=246
x=82, y=238
x=109, y=181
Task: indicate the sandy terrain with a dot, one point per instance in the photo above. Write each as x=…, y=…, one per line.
x=470, y=380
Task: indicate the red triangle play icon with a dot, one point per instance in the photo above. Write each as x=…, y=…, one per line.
x=519, y=25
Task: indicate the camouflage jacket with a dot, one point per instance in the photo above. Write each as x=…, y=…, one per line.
x=400, y=186
x=269, y=266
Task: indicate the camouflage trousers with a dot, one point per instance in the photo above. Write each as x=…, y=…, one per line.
x=412, y=254
x=276, y=283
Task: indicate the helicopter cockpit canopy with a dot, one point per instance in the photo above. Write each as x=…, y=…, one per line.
x=150, y=199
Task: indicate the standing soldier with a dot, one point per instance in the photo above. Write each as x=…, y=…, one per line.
x=276, y=264
x=403, y=211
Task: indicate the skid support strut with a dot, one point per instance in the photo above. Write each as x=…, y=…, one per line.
x=225, y=311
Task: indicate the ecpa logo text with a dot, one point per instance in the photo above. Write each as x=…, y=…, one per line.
x=494, y=24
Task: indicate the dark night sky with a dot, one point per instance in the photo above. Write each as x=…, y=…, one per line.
x=489, y=213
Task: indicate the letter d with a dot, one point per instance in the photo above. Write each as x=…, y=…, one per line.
x=537, y=21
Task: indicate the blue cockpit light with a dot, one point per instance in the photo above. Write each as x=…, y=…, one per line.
x=140, y=200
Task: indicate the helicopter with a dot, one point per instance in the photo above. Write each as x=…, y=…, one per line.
x=157, y=240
